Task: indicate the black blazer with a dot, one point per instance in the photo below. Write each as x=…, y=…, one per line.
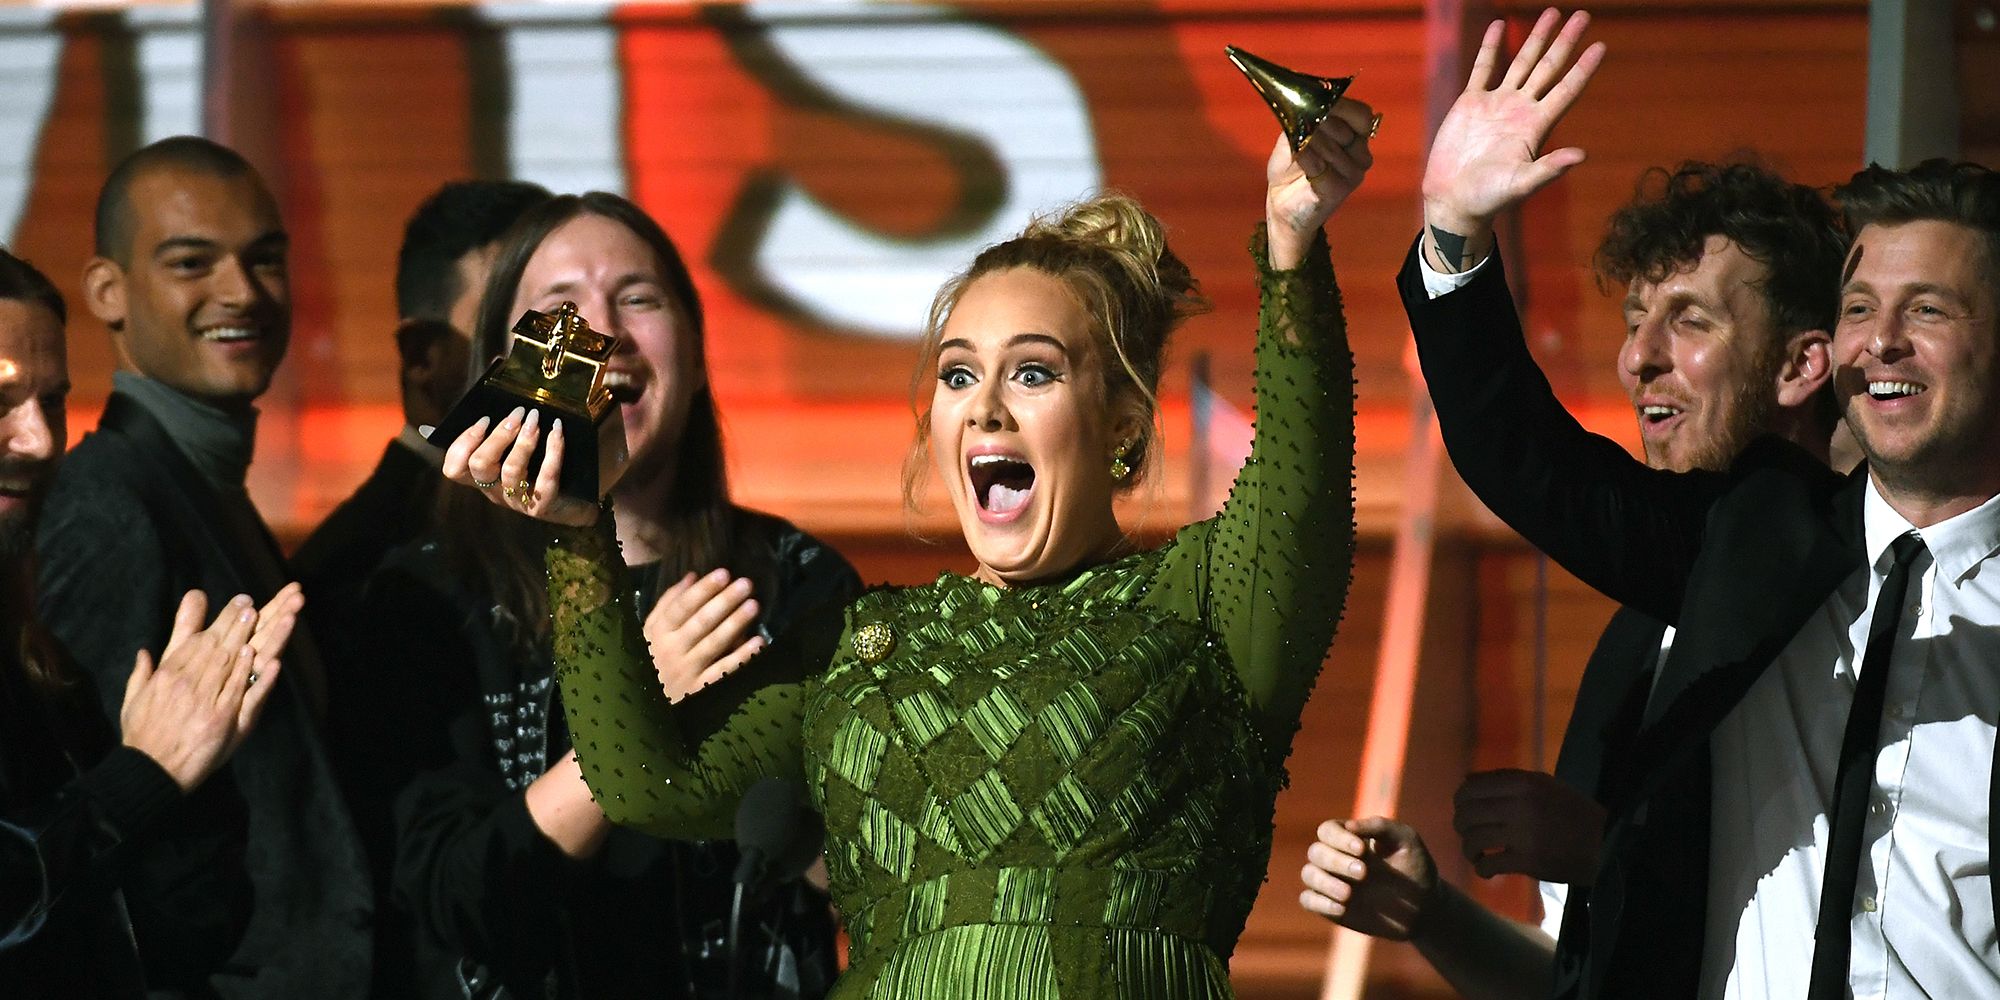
x=333, y=564
x=1596, y=749
x=63, y=829
x=1737, y=560
x=391, y=507
x=129, y=526
x=1610, y=701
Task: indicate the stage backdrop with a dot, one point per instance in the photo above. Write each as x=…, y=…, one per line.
x=824, y=165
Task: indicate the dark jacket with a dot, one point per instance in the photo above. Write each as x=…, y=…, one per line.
x=390, y=508
x=1596, y=749
x=1736, y=560
x=254, y=885
x=70, y=806
x=498, y=907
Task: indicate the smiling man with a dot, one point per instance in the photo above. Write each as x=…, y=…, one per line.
x=257, y=887
x=1730, y=274
x=1803, y=806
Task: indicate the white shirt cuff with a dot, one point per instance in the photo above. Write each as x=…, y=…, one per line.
x=1438, y=283
x=1555, y=896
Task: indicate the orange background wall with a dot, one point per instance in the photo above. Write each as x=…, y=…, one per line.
x=374, y=105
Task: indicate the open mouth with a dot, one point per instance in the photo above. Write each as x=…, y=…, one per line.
x=1001, y=484
x=1887, y=389
x=231, y=334
x=623, y=386
x=1653, y=414
x=19, y=486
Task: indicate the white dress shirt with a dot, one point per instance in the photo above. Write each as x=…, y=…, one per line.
x=1923, y=914
x=1923, y=917
x=1437, y=282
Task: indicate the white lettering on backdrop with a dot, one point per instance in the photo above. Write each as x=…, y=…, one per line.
x=906, y=62
x=30, y=48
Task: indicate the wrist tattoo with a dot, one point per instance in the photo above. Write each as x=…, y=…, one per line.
x=1453, y=252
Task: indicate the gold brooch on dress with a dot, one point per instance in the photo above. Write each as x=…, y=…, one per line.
x=873, y=641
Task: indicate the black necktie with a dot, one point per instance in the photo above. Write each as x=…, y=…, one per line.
x=1854, y=783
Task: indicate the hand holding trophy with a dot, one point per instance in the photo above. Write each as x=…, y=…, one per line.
x=1321, y=158
x=511, y=436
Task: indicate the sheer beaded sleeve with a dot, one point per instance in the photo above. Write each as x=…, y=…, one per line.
x=669, y=770
x=1270, y=573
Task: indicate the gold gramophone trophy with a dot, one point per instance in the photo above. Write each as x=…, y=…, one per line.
x=1300, y=100
x=555, y=365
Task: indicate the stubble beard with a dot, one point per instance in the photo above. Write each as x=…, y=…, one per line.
x=1937, y=465
x=17, y=534
x=1742, y=418
x=17, y=529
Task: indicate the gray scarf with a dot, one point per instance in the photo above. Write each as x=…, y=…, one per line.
x=217, y=441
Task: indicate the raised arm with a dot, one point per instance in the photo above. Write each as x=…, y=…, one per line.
x=1486, y=157
x=1625, y=529
x=1270, y=572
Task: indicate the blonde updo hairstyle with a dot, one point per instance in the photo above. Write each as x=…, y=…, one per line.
x=1113, y=256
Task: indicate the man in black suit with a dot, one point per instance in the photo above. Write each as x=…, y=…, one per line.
x=255, y=885
x=1729, y=269
x=1801, y=808
x=448, y=247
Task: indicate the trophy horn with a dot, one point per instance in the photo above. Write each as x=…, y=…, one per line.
x=1300, y=100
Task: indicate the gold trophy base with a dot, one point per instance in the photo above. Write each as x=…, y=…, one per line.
x=594, y=454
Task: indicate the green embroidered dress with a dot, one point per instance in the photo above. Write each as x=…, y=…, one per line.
x=1057, y=791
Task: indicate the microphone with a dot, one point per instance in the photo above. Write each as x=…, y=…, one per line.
x=778, y=835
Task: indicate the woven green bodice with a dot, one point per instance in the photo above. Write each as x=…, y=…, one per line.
x=1055, y=774
x=1059, y=791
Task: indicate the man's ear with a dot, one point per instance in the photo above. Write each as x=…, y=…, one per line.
x=431, y=365
x=414, y=338
x=1807, y=368
x=104, y=291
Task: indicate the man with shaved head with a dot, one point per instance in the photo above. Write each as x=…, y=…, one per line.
x=257, y=885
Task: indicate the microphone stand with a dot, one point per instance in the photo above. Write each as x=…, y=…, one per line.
x=736, y=944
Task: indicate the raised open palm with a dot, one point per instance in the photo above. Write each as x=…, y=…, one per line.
x=1485, y=157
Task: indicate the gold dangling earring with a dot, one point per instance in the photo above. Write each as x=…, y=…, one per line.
x=1119, y=469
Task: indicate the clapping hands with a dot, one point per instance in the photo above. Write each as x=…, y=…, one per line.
x=701, y=631
x=1519, y=822
x=197, y=705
